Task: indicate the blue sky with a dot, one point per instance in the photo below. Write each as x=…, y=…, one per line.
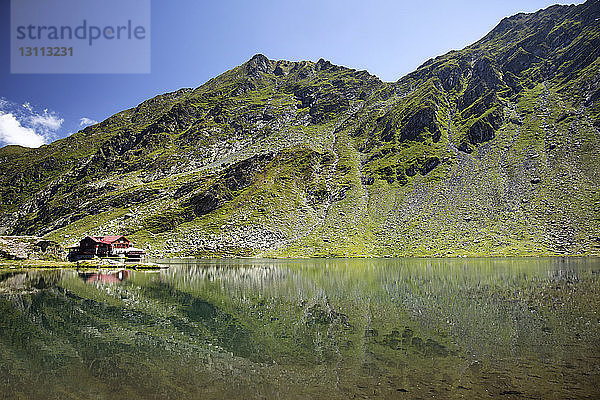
x=193, y=41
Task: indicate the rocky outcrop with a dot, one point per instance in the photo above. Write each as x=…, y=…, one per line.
x=30, y=248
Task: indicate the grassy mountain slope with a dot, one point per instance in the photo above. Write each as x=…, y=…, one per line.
x=492, y=150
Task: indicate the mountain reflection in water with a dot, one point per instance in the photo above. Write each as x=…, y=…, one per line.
x=380, y=328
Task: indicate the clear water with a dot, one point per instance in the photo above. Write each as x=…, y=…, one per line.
x=266, y=329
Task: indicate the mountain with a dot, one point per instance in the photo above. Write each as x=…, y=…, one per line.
x=490, y=150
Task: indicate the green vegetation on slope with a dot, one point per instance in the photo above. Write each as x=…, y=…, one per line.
x=490, y=150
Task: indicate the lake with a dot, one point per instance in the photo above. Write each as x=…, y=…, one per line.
x=295, y=329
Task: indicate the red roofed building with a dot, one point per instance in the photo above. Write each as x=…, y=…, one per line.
x=105, y=246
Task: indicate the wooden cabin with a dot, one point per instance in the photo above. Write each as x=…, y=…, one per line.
x=105, y=246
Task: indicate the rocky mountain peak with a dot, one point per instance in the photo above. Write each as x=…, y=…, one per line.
x=323, y=64
x=258, y=63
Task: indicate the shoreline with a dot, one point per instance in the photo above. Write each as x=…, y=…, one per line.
x=54, y=264
x=100, y=264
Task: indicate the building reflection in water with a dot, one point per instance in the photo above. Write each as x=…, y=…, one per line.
x=101, y=277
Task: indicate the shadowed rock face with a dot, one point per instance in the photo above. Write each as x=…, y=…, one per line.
x=326, y=160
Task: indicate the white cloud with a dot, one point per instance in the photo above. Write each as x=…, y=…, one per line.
x=12, y=132
x=22, y=124
x=85, y=121
x=46, y=121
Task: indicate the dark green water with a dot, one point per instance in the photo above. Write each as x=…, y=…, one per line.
x=401, y=329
